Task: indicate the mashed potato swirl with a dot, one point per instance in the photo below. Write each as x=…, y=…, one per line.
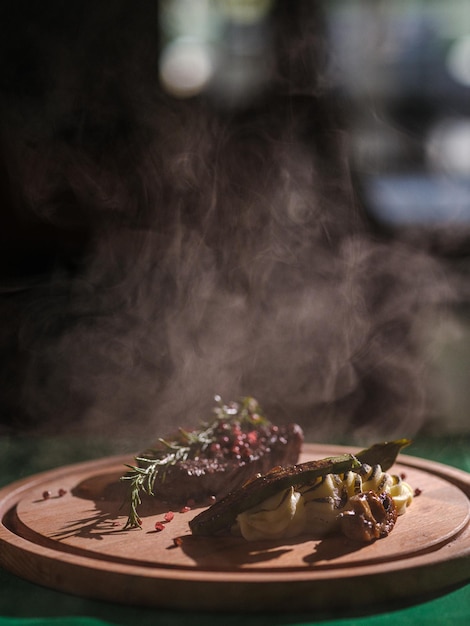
x=315, y=509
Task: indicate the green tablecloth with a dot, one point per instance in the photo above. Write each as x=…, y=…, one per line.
x=23, y=603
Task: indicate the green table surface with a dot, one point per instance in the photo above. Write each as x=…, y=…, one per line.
x=24, y=603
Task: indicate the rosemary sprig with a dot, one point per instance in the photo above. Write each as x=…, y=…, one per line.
x=185, y=445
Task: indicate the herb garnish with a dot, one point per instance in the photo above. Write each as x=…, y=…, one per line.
x=182, y=446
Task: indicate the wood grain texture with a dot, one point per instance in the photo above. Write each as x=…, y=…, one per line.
x=76, y=543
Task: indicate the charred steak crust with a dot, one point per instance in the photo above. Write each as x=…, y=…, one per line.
x=234, y=458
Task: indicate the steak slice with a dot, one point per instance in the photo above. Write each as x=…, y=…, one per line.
x=193, y=466
x=229, y=462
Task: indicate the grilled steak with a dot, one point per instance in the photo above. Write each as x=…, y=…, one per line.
x=237, y=454
x=215, y=459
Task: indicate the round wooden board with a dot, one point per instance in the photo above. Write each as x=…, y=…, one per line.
x=76, y=543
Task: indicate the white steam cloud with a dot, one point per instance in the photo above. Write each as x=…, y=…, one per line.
x=224, y=254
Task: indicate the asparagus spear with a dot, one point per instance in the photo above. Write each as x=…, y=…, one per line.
x=220, y=517
x=383, y=454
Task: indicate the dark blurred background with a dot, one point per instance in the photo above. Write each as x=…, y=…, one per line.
x=242, y=197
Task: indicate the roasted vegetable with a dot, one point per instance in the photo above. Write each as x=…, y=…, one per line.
x=220, y=517
x=383, y=454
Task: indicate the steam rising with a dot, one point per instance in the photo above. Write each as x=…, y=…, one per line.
x=224, y=254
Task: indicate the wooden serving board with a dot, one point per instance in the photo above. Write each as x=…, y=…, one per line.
x=75, y=543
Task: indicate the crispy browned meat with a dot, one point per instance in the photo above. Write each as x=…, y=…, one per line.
x=373, y=516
